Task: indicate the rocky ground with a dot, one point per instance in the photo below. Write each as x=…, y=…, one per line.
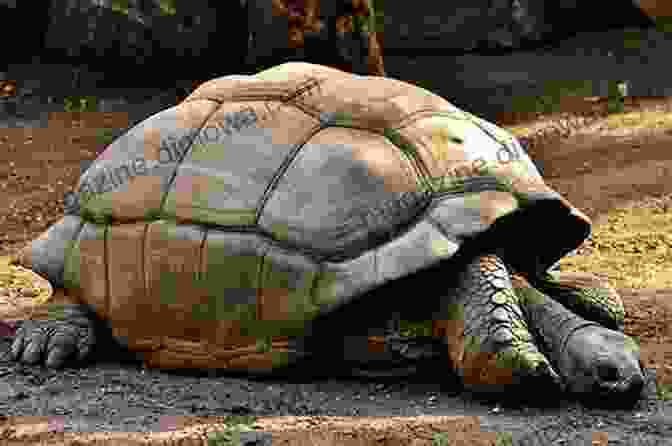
x=618, y=171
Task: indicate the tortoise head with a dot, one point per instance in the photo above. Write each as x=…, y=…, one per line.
x=598, y=364
x=603, y=366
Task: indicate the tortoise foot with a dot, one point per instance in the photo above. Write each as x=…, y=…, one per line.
x=487, y=334
x=70, y=335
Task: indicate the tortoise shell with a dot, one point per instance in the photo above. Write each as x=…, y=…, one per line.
x=210, y=233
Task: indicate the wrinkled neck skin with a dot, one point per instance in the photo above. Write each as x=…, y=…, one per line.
x=592, y=359
x=548, y=320
x=551, y=323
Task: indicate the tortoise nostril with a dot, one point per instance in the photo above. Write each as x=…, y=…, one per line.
x=608, y=372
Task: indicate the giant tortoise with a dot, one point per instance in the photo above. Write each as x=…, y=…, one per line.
x=276, y=217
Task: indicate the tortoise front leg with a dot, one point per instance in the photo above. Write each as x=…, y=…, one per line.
x=63, y=329
x=486, y=332
x=67, y=332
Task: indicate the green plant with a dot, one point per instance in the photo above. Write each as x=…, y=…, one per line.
x=617, y=91
x=504, y=439
x=120, y=6
x=227, y=437
x=230, y=436
x=234, y=420
x=553, y=91
x=167, y=7
x=440, y=439
x=415, y=329
x=664, y=391
x=379, y=15
x=79, y=103
x=664, y=24
x=106, y=136
x=632, y=38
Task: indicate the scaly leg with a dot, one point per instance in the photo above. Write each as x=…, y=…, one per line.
x=487, y=334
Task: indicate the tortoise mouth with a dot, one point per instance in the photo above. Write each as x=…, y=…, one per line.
x=622, y=394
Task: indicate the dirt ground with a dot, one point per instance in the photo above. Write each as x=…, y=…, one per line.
x=618, y=172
